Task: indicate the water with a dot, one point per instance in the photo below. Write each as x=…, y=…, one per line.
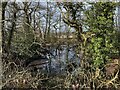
x=61, y=58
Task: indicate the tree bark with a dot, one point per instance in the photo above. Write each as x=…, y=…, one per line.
x=1, y=27
x=46, y=23
x=12, y=29
x=4, y=4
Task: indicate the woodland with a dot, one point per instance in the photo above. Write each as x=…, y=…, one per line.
x=56, y=45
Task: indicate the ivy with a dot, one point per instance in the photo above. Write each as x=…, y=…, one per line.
x=102, y=46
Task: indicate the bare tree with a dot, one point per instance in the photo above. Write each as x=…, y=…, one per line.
x=27, y=16
x=13, y=26
x=74, y=19
x=1, y=27
x=46, y=21
x=4, y=4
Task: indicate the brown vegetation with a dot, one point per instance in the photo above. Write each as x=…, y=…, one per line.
x=112, y=67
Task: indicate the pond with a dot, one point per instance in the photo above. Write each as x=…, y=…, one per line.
x=61, y=58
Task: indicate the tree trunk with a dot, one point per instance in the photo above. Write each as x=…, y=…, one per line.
x=1, y=26
x=48, y=32
x=12, y=29
x=27, y=17
x=79, y=32
x=3, y=29
x=46, y=23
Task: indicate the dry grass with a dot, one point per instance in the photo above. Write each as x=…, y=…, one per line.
x=97, y=79
x=15, y=76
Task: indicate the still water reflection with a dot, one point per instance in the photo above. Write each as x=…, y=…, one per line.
x=61, y=57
